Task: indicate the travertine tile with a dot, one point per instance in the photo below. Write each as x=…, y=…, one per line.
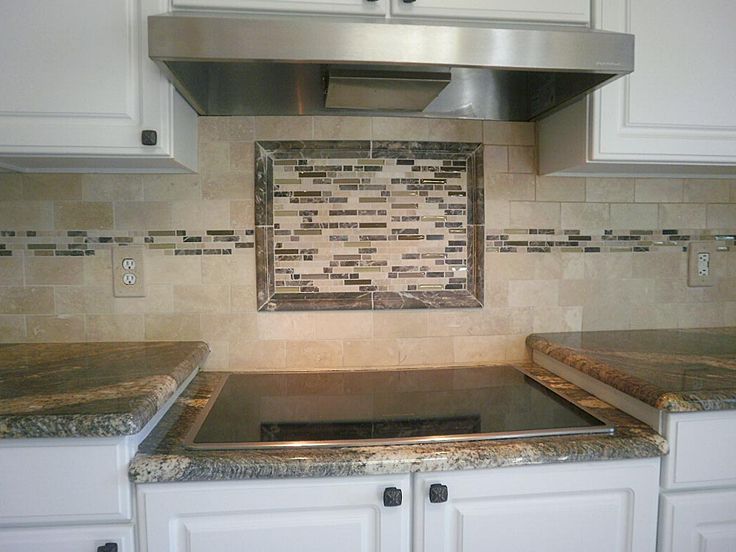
x=112, y=187
x=400, y=324
x=733, y=192
x=560, y=188
x=426, y=351
x=495, y=159
x=242, y=157
x=528, y=214
x=516, y=349
x=700, y=315
x=27, y=215
x=707, y=191
x=83, y=299
x=658, y=190
x=83, y=215
x=652, y=316
x=455, y=130
x=11, y=186
x=313, y=354
x=342, y=128
x=606, y=317
x=476, y=350
x=510, y=320
x=13, y=329
x=214, y=158
x=610, y=266
x=286, y=326
x=685, y=215
x=115, y=327
x=54, y=270
x=257, y=355
x=283, y=128
x=634, y=216
x=460, y=322
x=614, y=190
x=503, y=266
x=522, y=159
x=11, y=271
x=509, y=186
x=164, y=269
x=585, y=216
x=400, y=128
x=343, y=325
x=209, y=215
x=219, y=357
x=172, y=327
x=170, y=187
x=506, y=133
x=558, y=319
x=159, y=299
x=497, y=213
x=229, y=327
x=243, y=298
x=226, y=128
x=50, y=329
x=201, y=298
x=98, y=269
x=142, y=215
x=729, y=314
x=242, y=214
x=228, y=269
x=370, y=353
x=37, y=187
x=533, y=293
x=660, y=265
x=228, y=185
x=496, y=294
x=721, y=216
x=26, y=300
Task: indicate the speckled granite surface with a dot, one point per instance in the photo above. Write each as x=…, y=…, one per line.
x=673, y=370
x=162, y=456
x=89, y=389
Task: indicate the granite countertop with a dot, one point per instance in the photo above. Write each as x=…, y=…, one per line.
x=90, y=389
x=163, y=457
x=672, y=370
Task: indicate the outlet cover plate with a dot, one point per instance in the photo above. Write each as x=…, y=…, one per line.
x=119, y=256
x=694, y=278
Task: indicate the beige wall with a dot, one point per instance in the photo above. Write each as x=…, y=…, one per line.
x=62, y=298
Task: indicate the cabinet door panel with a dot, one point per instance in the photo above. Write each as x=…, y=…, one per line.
x=678, y=105
x=610, y=507
x=698, y=522
x=67, y=539
x=560, y=11
x=365, y=7
x=316, y=515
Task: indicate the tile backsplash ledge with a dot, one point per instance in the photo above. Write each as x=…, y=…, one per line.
x=561, y=254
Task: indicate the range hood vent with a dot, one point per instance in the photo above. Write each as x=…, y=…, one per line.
x=236, y=65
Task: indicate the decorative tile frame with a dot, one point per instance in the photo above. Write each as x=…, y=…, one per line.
x=273, y=156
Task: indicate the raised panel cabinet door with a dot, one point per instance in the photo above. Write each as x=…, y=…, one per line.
x=604, y=506
x=308, y=515
x=558, y=11
x=78, y=84
x=67, y=539
x=702, y=521
x=362, y=7
x=677, y=105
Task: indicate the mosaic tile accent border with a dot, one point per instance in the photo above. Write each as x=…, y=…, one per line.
x=369, y=225
x=547, y=240
x=79, y=243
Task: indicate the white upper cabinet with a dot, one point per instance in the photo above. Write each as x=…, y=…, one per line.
x=361, y=7
x=558, y=11
x=674, y=114
x=78, y=90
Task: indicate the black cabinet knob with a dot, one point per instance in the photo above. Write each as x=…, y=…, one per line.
x=108, y=547
x=437, y=493
x=149, y=137
x=392, y=497
x=409, y=1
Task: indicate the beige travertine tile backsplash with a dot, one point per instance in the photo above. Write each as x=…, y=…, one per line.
x=47, y=296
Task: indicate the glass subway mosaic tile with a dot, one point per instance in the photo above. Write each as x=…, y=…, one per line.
x=369, y=225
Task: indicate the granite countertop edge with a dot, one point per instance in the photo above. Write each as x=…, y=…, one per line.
x=142, y=410
x=669, y=401
x=162, y=457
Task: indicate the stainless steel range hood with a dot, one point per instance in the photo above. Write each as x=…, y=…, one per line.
x=235, y=65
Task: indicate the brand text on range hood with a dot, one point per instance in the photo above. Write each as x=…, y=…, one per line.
x=231, y=65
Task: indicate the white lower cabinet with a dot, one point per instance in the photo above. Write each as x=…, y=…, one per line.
x=602, y=506
x=107, y=538
x=308, y=515
x=703, y=521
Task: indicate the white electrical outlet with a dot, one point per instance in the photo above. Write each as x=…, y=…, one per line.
x=127, y=272
x=701, y=270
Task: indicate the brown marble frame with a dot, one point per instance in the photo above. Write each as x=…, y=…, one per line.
x=268, y=300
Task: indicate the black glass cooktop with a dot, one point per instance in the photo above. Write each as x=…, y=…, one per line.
x=384, y=407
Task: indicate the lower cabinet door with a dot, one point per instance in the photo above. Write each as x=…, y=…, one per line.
x=68, y=539
x=701, y=521
x=305, y=515
x=601, y=507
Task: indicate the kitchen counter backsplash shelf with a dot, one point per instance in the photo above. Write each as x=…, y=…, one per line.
x=369, y=225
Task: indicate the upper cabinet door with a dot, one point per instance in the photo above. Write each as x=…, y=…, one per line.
x=78, y=87
x=558, y=11
x=364, y=7
x=678, y=104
